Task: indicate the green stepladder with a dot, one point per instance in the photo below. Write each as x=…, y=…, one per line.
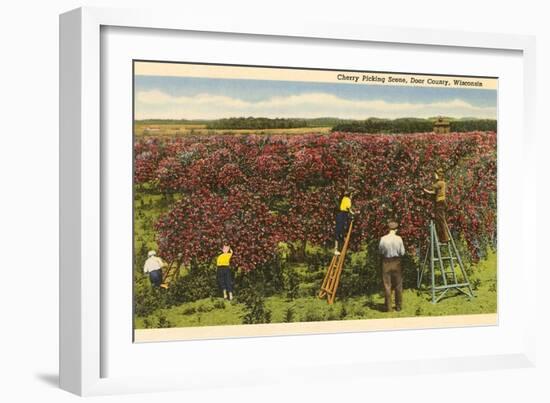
x=446, y=269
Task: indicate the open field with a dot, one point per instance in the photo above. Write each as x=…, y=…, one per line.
x=177, y=130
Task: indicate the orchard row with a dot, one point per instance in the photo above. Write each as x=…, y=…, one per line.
x=255, y=191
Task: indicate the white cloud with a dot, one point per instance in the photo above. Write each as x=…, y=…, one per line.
x=157, y=104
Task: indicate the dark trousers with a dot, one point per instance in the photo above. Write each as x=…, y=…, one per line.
x=224, y=278
x=393, y=279
x=342, y=224
x=155, y=277
x=441, y=221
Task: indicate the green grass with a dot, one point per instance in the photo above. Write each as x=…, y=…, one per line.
x=205, y=312
x=216, y=311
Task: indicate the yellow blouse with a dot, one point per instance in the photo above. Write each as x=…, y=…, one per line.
x=223, y=259
x=345, y=204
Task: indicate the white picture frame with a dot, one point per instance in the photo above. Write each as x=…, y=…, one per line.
x=82, y=300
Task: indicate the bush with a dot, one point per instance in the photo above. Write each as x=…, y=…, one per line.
x=313, y=315
x=289, y=315
x=252, y=296
x=292, y=283
x=294, y=199
x=204, y=308
x=332, y=314
x=256, y=311
x=267, y=279
x=190, y=310
x=147, y=300
x=163, y=322
x=343, y=312
x=199, y=283
x=148, y=324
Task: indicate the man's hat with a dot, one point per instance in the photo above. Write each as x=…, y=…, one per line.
x=439, y=171
x=392, y=225
x=151, y=253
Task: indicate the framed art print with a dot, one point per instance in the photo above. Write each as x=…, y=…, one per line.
x=267, y=194
x=240, y=173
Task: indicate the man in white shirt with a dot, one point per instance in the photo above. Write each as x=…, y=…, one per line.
x=153, y=266
x=391, y=250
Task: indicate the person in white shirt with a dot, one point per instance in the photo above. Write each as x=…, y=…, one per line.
x=153, y=266
x=391, y=250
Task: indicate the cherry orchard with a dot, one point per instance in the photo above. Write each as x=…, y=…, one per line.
x=255, y=191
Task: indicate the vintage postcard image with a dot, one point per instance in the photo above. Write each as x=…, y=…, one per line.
x=280, y=201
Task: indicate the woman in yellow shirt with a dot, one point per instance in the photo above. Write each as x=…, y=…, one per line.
x=224, y=272
x=343, y=218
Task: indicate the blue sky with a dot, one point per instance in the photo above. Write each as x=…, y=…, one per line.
x=212, y=98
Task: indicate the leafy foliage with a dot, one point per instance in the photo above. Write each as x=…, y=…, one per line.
x=412, y=125
x=292, y=283
x=253, y=299
x=147, y=300
x=254, y=192
x=199, y=283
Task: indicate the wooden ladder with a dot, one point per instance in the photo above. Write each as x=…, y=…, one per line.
x=334, y=271
x=170, y=273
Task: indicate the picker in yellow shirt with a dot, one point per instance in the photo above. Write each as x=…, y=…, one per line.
x=343, y=218
x=345, y=204
x=223, y=263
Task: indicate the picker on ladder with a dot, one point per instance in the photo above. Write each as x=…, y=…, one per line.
x=334, y=271
x=441, y=237
x=448, y=278
x=344, y=225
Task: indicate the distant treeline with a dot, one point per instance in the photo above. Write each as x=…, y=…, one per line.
x=371, y=125
x=268, y=123
x=484, y=125
x=412, y=125
x=173, y=121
